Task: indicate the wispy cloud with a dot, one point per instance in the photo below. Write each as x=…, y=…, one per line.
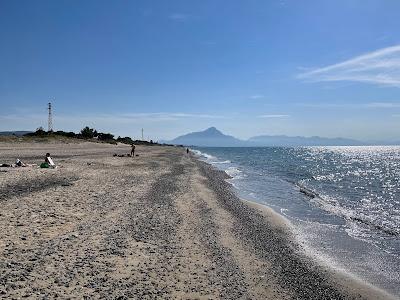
x=382, y=105
x=257, y=96
x=167, y=115
x=118, y=117
x=327, y=105
x=381, y=67
x=208, y=43
x=179, y=17
x=273, y=116
x=369, y=105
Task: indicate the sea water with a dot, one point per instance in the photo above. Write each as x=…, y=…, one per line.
x=343, y=202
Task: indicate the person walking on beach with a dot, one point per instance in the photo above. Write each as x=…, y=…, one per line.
x=133, y=150
x=187, y=150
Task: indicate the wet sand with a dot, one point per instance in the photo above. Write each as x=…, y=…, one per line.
x=161, y=225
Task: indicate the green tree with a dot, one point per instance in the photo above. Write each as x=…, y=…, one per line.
x=105, y=136
x=88, y=133
x=40, y=131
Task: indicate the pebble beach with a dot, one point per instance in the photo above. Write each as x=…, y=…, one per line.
x=161, y=225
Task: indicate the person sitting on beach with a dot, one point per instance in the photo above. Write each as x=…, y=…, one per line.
x=49, y=160
x=19, y=163
x=133, y=150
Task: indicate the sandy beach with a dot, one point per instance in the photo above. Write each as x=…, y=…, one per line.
x=161, y=225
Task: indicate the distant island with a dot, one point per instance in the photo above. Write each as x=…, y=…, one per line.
x=212, y=137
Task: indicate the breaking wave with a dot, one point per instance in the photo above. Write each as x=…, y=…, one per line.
x=333, y=206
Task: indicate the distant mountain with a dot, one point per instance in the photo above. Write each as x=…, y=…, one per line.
x=384, y=143
x=283, y=140
x=210, y=137
x=17, y=133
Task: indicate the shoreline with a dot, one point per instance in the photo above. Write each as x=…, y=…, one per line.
x=161, y=225
x=347, y=262
x=347, y=280
x=349, y=283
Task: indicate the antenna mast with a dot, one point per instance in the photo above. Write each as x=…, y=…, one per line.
x=50, y=119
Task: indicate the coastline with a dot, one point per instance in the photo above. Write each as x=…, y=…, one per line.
x=320, y=232
x=321, y=277
x=162, y=225
x=345, y=280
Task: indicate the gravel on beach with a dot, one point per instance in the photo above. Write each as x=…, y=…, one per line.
x=159, y=226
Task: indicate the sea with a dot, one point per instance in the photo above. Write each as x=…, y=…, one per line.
x=343, y=203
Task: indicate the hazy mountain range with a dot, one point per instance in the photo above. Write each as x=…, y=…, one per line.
x=212, y=137
x=17, y=133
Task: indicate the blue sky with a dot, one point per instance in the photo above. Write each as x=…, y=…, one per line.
x=313, y=67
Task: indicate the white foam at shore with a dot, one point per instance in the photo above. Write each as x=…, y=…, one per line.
x=221, y=162
x=202, y=154
x=224, y=165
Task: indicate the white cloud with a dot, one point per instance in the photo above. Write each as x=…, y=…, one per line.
x=254, y=97
x=165, y=115
x=381, y=67
x=34, y=120
x=179, y=17
x=369, y=105
x=273, y=116
x=327, y=105
x=382, y=105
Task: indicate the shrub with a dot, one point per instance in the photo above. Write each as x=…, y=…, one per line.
x=105, y=136
x=88, y=133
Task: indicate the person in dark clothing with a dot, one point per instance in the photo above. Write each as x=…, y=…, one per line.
x=49, y=161
x=133, y=150
x=19, y=163
x=187, y=150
